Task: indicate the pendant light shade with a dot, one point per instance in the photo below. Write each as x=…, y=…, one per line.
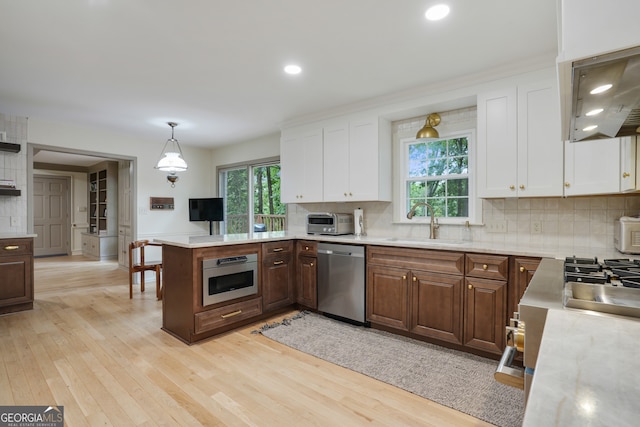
x=171, y=156
x=428, y=131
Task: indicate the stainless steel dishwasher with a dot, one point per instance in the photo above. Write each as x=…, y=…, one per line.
x=341, y=290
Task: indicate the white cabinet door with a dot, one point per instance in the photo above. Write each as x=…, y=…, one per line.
x=366, y=179
x=540, y=150
x=592, y=167
x=301, y=166
x=336, y=162
x=497, y=165
x=628, y=161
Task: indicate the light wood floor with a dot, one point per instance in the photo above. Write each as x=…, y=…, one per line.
x=102, y=356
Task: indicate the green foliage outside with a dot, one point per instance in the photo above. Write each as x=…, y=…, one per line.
x=438, y=175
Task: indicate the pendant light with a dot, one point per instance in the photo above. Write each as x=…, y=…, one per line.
x=171, y=157
x=428, y=131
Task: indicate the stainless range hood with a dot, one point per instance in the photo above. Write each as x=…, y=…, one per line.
x=619, y=105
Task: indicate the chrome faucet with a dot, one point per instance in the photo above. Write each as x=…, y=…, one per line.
x=434, y=222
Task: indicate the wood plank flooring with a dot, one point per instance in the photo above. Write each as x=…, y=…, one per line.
x=87, y=346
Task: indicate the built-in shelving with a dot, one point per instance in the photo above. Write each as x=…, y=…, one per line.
x=9, y=192
x=10, y=147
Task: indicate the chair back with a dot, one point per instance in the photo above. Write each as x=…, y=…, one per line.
x=139, y=245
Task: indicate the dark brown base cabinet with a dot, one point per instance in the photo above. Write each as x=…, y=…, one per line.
x=16, y=275
x=307, y=274
x=278, y=275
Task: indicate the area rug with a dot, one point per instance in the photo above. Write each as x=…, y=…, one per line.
x=452, y=378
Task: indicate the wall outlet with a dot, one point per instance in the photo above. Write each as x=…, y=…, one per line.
x=536, y=227
x=496, y=226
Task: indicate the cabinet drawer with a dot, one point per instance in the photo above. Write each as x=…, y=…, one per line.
x=227, y=315
x=417, y=259
x=13, y=247
x=487, y=266
x=307, y=248
x=274, y=248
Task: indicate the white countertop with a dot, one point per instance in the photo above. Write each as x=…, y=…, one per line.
x=203, y=241
x=588, y=372
x=16, y=235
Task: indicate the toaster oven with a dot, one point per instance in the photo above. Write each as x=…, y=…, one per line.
x=329, y=223
x=626, y=235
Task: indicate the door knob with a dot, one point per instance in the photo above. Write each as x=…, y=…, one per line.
x=470, y=286
x=521, y=269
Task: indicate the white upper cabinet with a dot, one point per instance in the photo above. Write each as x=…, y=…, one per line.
x=301, y=166
x=519, y=150
x=357, y=161
x=347, y=159
x=602, y=166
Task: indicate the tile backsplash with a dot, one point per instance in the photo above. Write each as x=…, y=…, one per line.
x=543, y=222
x=13, y=166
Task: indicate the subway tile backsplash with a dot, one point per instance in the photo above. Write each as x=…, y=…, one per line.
x=543, y=222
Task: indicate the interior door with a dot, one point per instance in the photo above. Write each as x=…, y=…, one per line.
x=51, y=215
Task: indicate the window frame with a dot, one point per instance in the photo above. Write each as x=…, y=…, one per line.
x=475, y=215
x=249, y=166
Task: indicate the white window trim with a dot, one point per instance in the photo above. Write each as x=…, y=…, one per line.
x=475, y=204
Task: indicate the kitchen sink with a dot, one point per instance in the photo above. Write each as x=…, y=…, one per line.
x=603, y=298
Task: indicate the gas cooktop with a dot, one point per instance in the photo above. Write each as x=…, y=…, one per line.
x=613, y=272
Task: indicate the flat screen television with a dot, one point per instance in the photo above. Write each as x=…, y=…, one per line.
x=209, y=209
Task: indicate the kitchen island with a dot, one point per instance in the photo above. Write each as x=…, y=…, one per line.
x=587, y=371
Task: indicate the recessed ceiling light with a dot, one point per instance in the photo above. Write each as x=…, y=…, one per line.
x=590, y=128
x=292, y=69
x=594, y=112
x=437, y=12
x=601, y=89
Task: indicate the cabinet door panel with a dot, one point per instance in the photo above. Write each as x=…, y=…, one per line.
x=307, y=283
x=277, y=276
x=363, y=160
x=539, y=141
x=15, y=287
x=592, y=167
x=336, y=163
x=388, y=297
x=497, y=144
x=437, y=306
x=485, y=314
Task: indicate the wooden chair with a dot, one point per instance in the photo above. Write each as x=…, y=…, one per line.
x=142, y=266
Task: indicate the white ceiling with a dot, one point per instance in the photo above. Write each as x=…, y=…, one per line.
x=215, y=66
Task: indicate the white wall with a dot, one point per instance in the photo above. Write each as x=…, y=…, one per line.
x=195, y=182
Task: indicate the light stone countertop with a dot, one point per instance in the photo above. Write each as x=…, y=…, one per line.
x=561, y=252
x=16, y=235
x=588, y=372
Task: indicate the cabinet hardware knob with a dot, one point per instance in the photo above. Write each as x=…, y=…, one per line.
x=279, y=262
x=625, y=175
x=404, y=277
x=311, y=264
x=235, y=313
x=350, y=194
x=306, y=248
x=470, y=286
x=278, y=249
x=415, y=279
x=345, y=194
x=485, y=266
x=11, y=247
x=566, y=184
x=512, y=187
x=521, y=269
x=522, y=187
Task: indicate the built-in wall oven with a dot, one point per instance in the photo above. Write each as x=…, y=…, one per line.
x=224, y=279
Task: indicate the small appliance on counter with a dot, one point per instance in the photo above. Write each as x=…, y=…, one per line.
x=626, y=235
x=333, y=224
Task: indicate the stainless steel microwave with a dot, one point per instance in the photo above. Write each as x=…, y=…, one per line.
x=329, y=223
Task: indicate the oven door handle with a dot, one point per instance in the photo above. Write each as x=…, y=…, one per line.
x=505, y=373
